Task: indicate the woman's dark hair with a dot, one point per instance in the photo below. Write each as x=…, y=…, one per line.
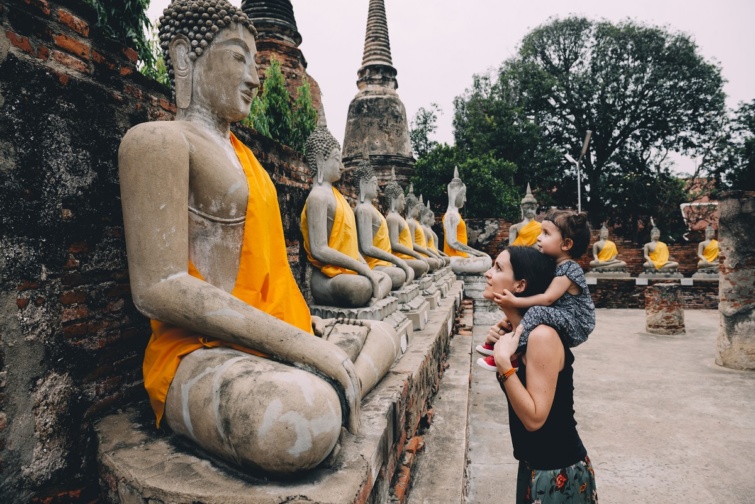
x=575, y=227
x=534, y=267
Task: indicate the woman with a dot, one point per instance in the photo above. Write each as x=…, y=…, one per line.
x=553, y=462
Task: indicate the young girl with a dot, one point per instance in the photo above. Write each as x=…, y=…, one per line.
x=566, y=305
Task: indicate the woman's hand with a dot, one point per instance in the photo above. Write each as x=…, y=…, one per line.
x=506, y=299
x=504, y=350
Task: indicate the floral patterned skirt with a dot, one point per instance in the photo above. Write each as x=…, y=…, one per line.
x=573, y=484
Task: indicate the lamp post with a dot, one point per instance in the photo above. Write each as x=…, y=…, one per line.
x=578, y=163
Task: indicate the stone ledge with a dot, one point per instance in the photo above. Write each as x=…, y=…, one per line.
x=138, y=465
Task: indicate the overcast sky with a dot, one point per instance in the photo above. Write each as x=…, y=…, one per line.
x=437, y=45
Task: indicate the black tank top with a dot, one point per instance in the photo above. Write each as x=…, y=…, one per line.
x=556, y=444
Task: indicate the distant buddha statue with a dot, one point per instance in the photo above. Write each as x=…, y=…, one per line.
x=525, y=233
x=656, y=254
x=464, y=259
x=374, y=242
x=707, y=251
x=208, y=264
x=341, y=277
x=417, y=233
x=427, y=219
x=399, y=234
x=604, y=254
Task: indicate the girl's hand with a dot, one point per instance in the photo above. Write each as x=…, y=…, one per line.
x=504, y=349
x=496, y=331
x=506, y=299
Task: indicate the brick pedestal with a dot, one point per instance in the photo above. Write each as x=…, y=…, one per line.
x=664, y=310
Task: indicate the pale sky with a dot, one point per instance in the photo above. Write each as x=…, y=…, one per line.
x=437, y=45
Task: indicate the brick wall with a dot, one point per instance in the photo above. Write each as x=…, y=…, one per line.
x=71, y=341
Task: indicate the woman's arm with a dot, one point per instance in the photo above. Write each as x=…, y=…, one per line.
x=556, y=289
x=544, y=359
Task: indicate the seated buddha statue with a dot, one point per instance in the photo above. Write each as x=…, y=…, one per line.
x=604, y=254
x=232, y=364
x=341, y=276
x=525, y=233
x=417, y=233
x=464, y=259
x=399, y=235
x=707, y=251
x=656, y=254
x=427, y=219
x=374, y=242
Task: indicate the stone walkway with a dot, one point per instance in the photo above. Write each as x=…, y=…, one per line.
x=661, y=422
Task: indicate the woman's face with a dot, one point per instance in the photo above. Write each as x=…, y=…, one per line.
x=501, y=276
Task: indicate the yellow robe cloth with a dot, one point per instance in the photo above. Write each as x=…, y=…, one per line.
x=710, y=253
x=419, y=236
x=527, y=236
x=343, y=236
x=660, y=255
x=264, y=280
x=381, y=240
x=461, y=237
x=431, y=243
x=405, y=239
x=608, y=251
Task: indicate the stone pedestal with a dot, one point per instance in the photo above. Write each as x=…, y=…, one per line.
x=442, y=282
x=429, y=290
x=607, y=273
x=412, y=304
x=660, y=274
x=474, y=284
x=664, y=310
x=706, y=274
x=387, y=310
x=735, y=346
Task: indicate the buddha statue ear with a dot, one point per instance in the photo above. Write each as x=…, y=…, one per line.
x=180, y=56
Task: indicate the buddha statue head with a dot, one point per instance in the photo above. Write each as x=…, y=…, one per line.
x=412, y=210
x=427, y=216
x=528, y=204
x=394, y=193
x=655, y=233
x=364, y=175
x=323, y=152
x=211, y=37
x=603, y=232
x=457, y=191
x=710, y=233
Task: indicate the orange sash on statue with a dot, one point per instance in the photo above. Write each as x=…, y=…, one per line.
x=461, y=237
x=660, y=255
x=381, y=240
x=405, y=239
x=264, y=280
x=419, y=236
x=527, y=236
x=343, y=236
x=608, y=251
x=710, y=253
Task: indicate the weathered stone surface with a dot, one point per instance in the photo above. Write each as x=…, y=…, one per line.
x=735, y=347
x=664, y=310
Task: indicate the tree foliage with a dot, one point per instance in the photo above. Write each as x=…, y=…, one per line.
x=643, y=91
x=742, y=159
x=157, y=70
x=425, y=123
x=126, y=21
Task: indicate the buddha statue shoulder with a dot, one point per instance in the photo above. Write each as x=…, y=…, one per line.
x=399, y=233
x=340, y=277
x=656, y=253
x=427, y=219
x=605, y=254
x=419, y=240
x=707, y=252
x=464, y=259
x=525, y=233
x=230, y=327
x=372, y=228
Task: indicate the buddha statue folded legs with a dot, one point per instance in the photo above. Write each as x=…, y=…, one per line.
x=657, y=255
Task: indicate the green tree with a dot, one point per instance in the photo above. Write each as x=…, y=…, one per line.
x=742, y=159
x=424, y=124
x=643, y=91
x=157, y=69
x=126, y=21
x=303, y=117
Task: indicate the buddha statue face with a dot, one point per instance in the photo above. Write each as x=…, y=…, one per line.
x=603, y=233
x=655, y=234
x=709, y=233
x=329, y=165
x=369, y=188
x=428, y=217
x=461, y=198
x=400, y=203
x=529, y=210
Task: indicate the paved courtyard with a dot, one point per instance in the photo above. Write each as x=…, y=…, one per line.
x=661, y=422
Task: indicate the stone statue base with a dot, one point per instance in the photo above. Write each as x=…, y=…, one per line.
x=608, y=273
x=706, y=274
x=387, y=310
x=474, y=284
x=412, y=304
x=654, y=273
x=442, y=280
x=429, y=290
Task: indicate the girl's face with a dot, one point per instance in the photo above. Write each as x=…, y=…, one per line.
x=501, y=276
x=550, y=242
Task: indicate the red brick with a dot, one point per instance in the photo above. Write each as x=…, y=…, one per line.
x=72, y=297
x=39, y=301
x=77, y=247
x=133, y=91
x=20, y=41
x=22, y=303
x=71, y=45
x=70, y=62
x=132, y=55
x=43, y=53
x=76, y=330
x=27, y=285
x=167, y=105
x=402, y=484
x=76, y=24
x=415, y=444
x=75, y=313
x=100, y=59
x=71, y=264
x=63, y=78
x=126, y=71
x=40, y=5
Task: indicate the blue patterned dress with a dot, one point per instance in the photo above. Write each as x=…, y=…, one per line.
x=572, y=316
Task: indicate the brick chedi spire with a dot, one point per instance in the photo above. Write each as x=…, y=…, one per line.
x=376, y=125
x=279, y=37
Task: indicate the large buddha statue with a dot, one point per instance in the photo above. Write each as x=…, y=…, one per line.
x=413, y=208
x=427, y=219
x=525, y=233
x=232, y=364
x=707, y=252
x=464, y=259
x=656, y=254
x=374, y=242
x=604, y=254
x=399, y=234
x=341, y=276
